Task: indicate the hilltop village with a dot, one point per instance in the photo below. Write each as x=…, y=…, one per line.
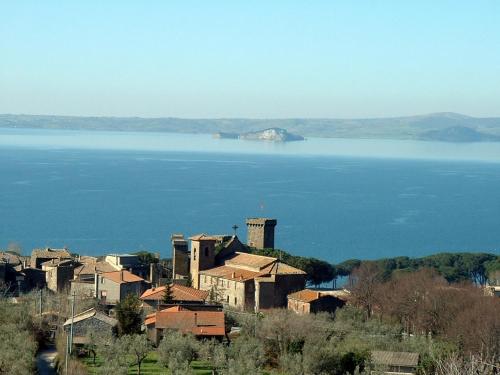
x=204, y=268
x=208, y=289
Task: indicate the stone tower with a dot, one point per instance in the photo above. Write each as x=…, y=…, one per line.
x=260, y=232
x=202, y=256
x=180, y=257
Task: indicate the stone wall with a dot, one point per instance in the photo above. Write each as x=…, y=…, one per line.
x=260, y=233
x=202, y=258
x=234, y=294
x=84, y=327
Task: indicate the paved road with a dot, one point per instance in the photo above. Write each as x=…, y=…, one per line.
x=45, y=361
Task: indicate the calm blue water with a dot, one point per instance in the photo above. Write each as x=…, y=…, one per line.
x=100, y=193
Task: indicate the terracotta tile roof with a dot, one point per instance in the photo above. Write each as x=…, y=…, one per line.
x=255, y=262
x=278, y=268
x=230, y=273
x=203, y=237
x=199, y=323
x=395, y=358
x=179, y=293
x=92, y=268
x=308, y=295
x=126, y=277
x=305, y=295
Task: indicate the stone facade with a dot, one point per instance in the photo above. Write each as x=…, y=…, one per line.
x=90, y=321
x=260, y=233
x=180, y=257
x=58, y=274
x=236, y=294
x=202, y=256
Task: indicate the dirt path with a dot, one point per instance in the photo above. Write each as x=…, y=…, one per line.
x=45, y=361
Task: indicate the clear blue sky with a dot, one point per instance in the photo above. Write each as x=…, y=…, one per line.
x=250, y=59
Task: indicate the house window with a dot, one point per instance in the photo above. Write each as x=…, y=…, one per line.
x=205, y=279
x=235, y=300
x=227, y=299
x=194, y=254
x=206, y=251
x=102, y=280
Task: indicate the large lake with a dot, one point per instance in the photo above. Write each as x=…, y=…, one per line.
x=101, y=192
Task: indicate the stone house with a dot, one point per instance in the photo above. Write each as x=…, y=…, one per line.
x=112, y=287
x=309, y=301
x=402, y=363
x=84, y=280
x=59, y=273
x=39, y=256
x=200, y=323
x=153, y=298
x=89, y=321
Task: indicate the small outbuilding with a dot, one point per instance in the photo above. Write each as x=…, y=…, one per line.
x=394, y=363
x=309, y=301
x=89, y=321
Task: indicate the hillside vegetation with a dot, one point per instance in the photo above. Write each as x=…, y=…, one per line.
x=439, y=126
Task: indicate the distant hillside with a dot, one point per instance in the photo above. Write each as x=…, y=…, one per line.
x=458, y=134
x=438, y=126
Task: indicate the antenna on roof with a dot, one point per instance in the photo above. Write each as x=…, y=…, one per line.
x=235, y=228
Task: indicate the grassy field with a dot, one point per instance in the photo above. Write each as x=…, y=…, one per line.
x=149, y=366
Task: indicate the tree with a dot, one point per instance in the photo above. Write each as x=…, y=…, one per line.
x=129, y=315
x=189, y=281
x=138, y=347
x=246, y=357
x=364, y=282
x=214, y=353
x=216, y=294
x=168, y=295
x=176, y=349
x=146, y=257
x=115, y=353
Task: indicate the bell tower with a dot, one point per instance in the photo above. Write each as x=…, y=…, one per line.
x=202, y=256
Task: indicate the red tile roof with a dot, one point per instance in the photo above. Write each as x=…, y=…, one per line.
x=179, y=293
x=199, y=323
x=230, y=273
x=125, y=277
x=305, y=295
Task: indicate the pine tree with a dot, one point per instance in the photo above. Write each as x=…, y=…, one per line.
x=168, y=296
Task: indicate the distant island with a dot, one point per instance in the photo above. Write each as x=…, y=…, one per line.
x=272, y=134
x=446, y=127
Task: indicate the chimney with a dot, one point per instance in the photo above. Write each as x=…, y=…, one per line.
x=151, y=272
x=121, y=275
x=233, y=275
x=96, y=285
x=196, y=319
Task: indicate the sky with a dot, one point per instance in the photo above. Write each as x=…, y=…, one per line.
x=257, y=59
